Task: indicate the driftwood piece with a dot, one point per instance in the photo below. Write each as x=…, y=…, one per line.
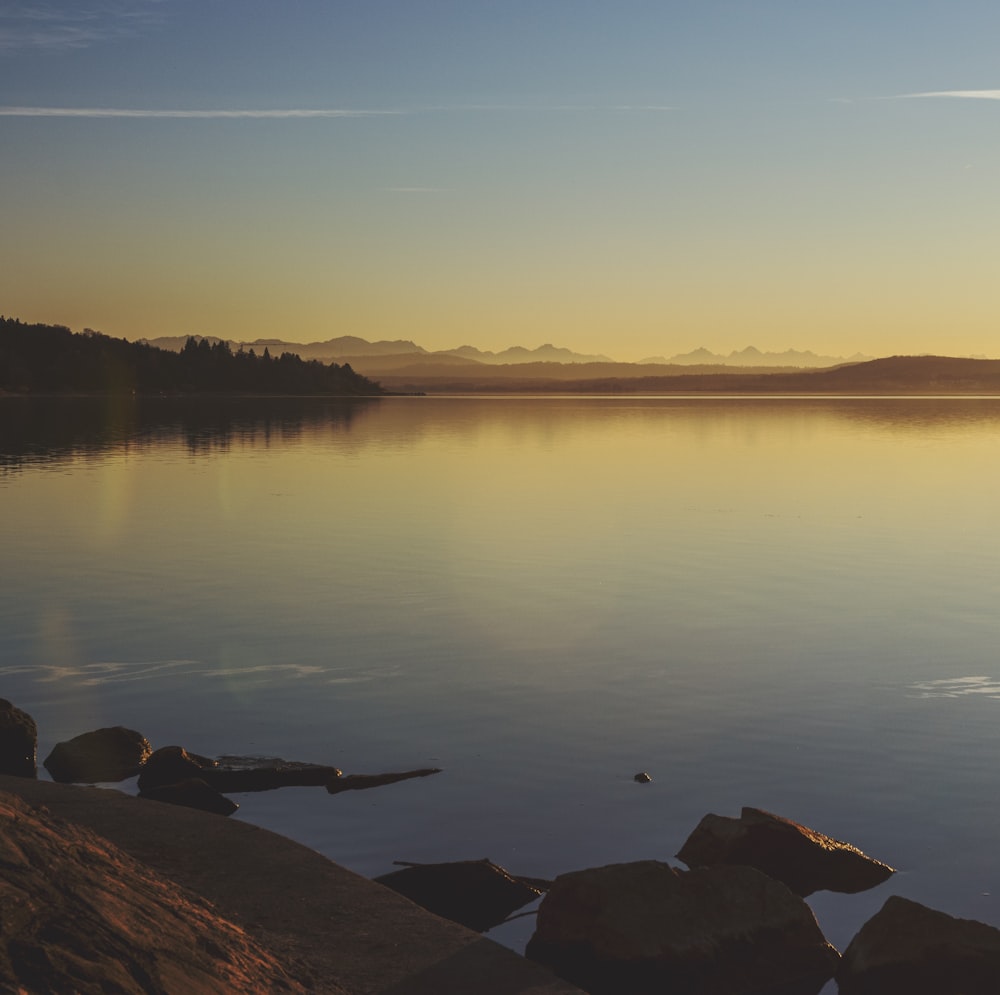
x=357, y=782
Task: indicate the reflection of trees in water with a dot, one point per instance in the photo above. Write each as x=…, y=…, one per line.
x=54, y=429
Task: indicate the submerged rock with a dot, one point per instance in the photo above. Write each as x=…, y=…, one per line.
x=192, y=792
x=476, y=893
x=803, y=859
x=647, y=927
x=109, y=754
x=907, y=947
x=18, y=741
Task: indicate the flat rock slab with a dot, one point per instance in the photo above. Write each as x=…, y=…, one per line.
x=80, y=914
x=907, y=947
x=333, y=930
x=801, y=858
x=645, y=927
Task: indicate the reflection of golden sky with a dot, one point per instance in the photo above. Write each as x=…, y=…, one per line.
x=503, y=469
x=551, y=506
x=491, y=485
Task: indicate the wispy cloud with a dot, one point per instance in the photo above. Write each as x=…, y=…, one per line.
x=60, y=27
x=966, y=94
x=308, y=112
x=547, y=108
x=416, y=189
x=126, y=112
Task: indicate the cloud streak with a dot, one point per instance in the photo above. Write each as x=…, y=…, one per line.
x=547, y=108
x=52, y=27
x=962, y=94
x=306, y=112
x=125, y=112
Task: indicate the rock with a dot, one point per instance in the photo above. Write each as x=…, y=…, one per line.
x=232, y=773
x=907, y=947
x=647, y=927
x=110, y=754
x=18, y=741
x=192, y=792
x=170, y=764
x=799, y=857
x=80, y=915
x=357, y=782
x=476, y=893
x=642, y=778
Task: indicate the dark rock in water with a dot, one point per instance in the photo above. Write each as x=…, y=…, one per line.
x=476, y=893
x=191, y=793
x=18, y=741
x=799, y=857
x=642, y=778
x=907, y=947
x=110, y=754
x=80, y=915
x=232, y=773
x=647, y=927
x=357, y=782
x=168, y=765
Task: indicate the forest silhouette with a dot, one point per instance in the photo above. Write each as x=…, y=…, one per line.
x=38, y=358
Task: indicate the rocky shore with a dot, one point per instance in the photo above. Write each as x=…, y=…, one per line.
x=138, y=896
x=106, y=892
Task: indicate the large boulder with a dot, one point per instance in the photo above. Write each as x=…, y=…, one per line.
x=18, y=741
x=907, y=947
x=647, y=927
x=803, y=859
x=110, y=754
x=80, y=915
x=476, y=893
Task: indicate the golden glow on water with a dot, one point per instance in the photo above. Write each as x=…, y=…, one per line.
x=783, y=603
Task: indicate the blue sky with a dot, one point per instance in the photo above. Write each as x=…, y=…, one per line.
x=634, y=178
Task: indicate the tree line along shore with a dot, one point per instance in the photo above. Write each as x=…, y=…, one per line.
x=39, y=359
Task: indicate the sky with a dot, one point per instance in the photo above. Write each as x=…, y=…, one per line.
x=637, y=178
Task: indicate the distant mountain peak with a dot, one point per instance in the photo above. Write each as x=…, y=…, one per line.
x=547, y=353
x=752, y=356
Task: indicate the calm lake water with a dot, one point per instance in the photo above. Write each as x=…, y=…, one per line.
x=784, y=603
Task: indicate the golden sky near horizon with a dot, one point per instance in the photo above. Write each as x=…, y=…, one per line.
x=637, y=181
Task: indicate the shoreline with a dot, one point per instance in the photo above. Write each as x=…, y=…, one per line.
x=318, y=919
